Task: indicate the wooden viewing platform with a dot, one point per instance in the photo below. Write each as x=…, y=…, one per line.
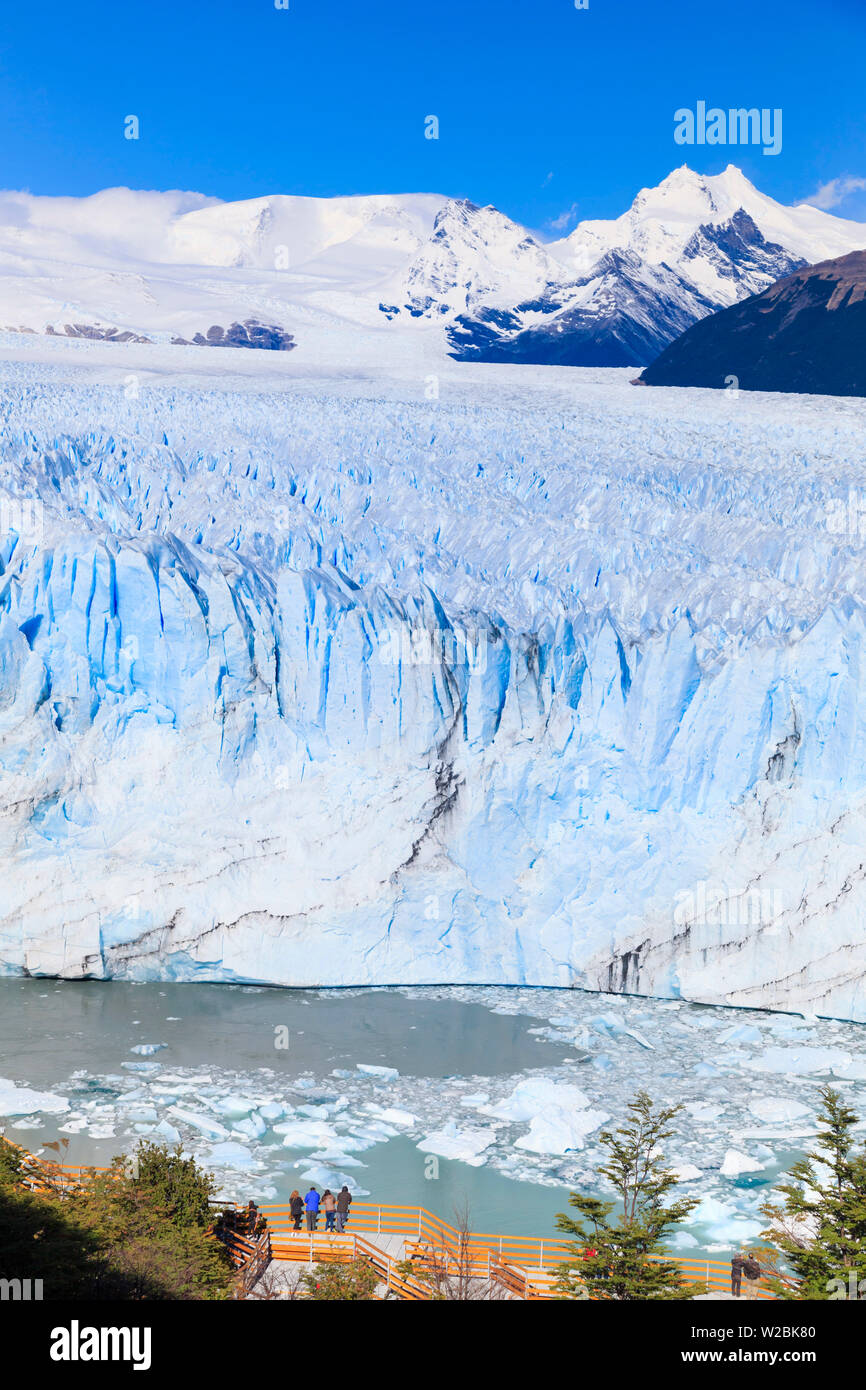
x=520, y=1267
x=524, y=1266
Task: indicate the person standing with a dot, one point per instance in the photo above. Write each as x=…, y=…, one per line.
x=752, y=1275
x=737, y=1273
x=329, y=1207
x=344, y=1201
x=296, y=1207
x=311, y=1202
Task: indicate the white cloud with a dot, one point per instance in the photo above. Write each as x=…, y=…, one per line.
x=564, y=220
x=835, y=191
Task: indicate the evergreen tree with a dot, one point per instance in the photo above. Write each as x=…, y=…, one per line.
x=622, y=1256
x=821, y=1224
x=175, y=1183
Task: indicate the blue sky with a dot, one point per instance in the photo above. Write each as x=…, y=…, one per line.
x=549, y=112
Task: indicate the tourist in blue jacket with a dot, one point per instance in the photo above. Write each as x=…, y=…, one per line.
x=311, y=1202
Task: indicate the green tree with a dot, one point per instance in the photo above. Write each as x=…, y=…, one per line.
x=352, y=1282
x=627, y=1259
x=113, y=1237
x=177, y=1184
x=820, y=1225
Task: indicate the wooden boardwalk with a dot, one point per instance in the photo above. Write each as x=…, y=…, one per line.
x=519, y=1267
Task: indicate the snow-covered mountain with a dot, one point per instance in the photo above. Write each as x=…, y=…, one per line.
x=169, y=266
x=626, y=288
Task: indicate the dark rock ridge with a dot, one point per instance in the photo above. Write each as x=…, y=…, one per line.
x=806, y=333
x=249, y=334
x=102, y=335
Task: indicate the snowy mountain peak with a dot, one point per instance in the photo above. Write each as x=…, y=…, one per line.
x=661, y=220
x=476, y=254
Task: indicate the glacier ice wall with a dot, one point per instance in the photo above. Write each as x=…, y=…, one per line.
x=552, y=685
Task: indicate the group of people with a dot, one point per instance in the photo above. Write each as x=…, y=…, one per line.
x=336, y=1209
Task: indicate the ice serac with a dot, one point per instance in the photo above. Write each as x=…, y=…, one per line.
x=313, y=688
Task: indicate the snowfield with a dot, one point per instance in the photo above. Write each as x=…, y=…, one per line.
x=419, y=672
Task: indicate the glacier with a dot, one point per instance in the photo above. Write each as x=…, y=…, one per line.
x=308, y=679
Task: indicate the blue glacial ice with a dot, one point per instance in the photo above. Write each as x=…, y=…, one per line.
x=549, y=681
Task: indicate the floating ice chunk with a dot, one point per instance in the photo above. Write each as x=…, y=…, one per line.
x=234, y=1105
x=533, y=1096
x=145, y=1068
x=21, y=1100
x=735, y=1163
x=477, y=1098
x=724, y=1222
x=335, y=1157
x=306, y=1134
x=392, y=1115
x=143, y=1114
x=741, y=1033
x=559, y=1131
x=798, y=1061
x=686, y=1172
x=703, y=1112
x=774, y=1110
x=167, y=1132
x=147, y=1049
x=272, y=1110
x=852, y=1069
x=465, y=1145
x=253, y=1127
x=602, y=1062
x=231, y=1155
x=325, y=1177
x=773, y=1136
x=610, y=1024
x=205, y=1123
x=384, y=1073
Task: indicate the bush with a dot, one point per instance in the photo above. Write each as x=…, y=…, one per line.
x=350, y=1282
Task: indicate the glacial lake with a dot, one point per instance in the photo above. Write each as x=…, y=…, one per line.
x=421, y=1096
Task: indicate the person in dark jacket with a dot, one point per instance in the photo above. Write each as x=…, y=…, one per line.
x=296, y=1207
x=737, y=1273
x=752, y=1272
x=344, y=1201
x=311, y=1202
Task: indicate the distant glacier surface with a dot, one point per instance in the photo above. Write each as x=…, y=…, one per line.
x=498, y=675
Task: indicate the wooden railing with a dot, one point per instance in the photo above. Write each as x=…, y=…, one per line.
x=249, y=1255
x=524, y=1265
